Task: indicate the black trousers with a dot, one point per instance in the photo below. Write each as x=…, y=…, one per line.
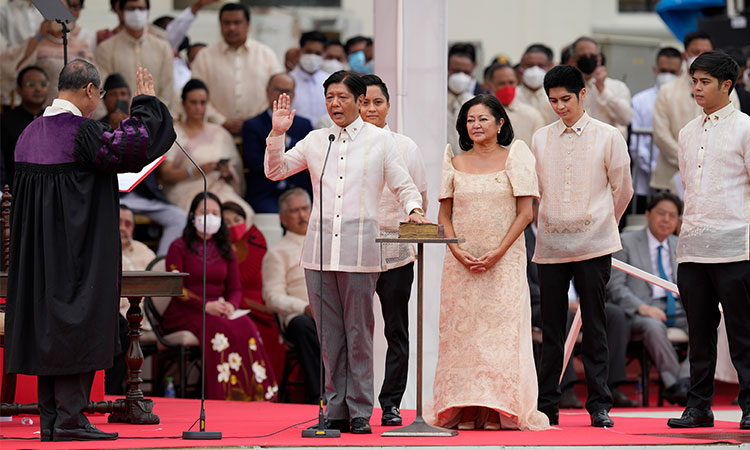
x=116, y=376
x=590, y=279
x=702, y=287
x=394, y=290
x=62, y=399
x=302, y=332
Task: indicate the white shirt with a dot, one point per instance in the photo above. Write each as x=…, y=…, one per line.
x=611, y=106
x=538, y=100
x=666, y=261
x=391, y=212
x=363, y=159
x=284, y=286
x=454, y=107
x=309, y=96
x=643, y=119
x=524, y=119
x=585, y=187
x=714, y=160
x=60, y=106
x=19, y=20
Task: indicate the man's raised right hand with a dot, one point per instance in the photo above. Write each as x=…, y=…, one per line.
x=282, y=117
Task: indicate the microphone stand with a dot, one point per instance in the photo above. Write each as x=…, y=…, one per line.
x=202, y=434
x=65, y=32
x=322, y=431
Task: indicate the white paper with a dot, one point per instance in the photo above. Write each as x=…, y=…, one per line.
x=239, y=313
x=127, y=181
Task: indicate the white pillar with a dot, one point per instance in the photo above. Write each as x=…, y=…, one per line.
x=411, y=57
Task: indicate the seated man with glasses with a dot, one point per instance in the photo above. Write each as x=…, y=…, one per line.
x=652, y=309
x=263, y=194
x=32, y=86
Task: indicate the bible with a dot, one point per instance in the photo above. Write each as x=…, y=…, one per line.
x=420, y=230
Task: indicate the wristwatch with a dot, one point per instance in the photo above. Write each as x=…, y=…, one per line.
x=419, y=211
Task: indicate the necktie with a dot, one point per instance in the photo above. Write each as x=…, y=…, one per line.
x=670, y=297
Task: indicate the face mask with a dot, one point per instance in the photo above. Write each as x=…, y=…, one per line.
x=213, y=223
x=136, y=19
x=310, y=62
x=332, y=65
x=506, y=94
x=533, y=77
x=236, y=232
x=746, y=79
x=588, y=64
x=357, y=62
x=664, y=78
x=690, y=61
x=458, y=82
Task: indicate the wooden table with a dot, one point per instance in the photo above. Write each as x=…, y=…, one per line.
x=134, y=408
x=419, y=427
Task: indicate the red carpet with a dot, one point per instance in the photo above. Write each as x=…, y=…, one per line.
x=255, y=424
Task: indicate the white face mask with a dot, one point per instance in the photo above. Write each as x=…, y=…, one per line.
x=136, y=19
x=664, y=78
x=213, y=223
x=533, y=77
x=332, y=65
x=310, y=62
x=459, y=82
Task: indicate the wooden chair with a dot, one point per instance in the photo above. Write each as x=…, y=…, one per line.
x=637, y=351
x=8, y=393
x=181, y=347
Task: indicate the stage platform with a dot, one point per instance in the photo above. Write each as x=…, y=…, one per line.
x=267, y=425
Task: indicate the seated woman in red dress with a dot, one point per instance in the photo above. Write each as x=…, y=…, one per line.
x=237, y=367
x=250, y=247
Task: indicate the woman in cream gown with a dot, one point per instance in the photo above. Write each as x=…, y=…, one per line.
x=212, y=147
x=485, y=375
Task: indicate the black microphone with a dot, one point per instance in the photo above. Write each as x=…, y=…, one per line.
x=202, y=434
x=322, y=432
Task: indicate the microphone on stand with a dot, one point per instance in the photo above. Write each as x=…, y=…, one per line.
x=202, y=434
x=322, y=432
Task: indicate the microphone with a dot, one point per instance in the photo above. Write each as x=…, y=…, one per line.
x=322, y=432
x=202, y=433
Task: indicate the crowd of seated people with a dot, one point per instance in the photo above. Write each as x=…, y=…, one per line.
x=221, y=95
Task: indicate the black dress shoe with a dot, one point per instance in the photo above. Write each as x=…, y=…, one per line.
x=601, y=419
x=693, y=418
x=46, y=435
x=620, y=400
x=360, y=425
x=676, y=394
x=391, y=417
x=553, y=416
x=87, y=433
x=333, y=424
x=569, y=400
x=745, y=421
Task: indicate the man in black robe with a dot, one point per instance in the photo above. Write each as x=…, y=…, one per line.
x=65, y=267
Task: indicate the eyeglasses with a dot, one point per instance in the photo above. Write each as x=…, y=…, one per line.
x=101, y=91
x=33, y=84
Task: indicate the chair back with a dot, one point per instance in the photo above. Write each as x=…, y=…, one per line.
x=159, y=304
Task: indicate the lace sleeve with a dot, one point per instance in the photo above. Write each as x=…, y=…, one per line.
x=521, y=168
x=446, y=176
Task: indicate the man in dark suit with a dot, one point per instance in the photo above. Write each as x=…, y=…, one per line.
x=652, y=309
x=261, y=193
x=618, y=333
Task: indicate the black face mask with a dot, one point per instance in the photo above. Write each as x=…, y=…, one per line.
x=588, y=64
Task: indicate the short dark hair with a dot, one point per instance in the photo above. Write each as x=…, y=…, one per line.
x=565, y=76
x=162, y=21
x=504, y=137
x=350, y=79
x=719, y=65
x=583, y=39
x=565, y=54
x=334, y=41
x=356, y=40
x=124, y=2
x=77, y=74
x=235, y=7
x=494, y=68
x=314, y=36
x=235, y=208
x=690, y=37
x=192, y=85
x=662, y=196
x=374, y=80
x=27, y=69
x=463, y=49
x=125, y=207
x=540, y=48
x=668, y=52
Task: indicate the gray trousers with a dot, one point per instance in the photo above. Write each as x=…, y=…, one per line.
x=346, y=336
x=165, y=214
x=657, y=344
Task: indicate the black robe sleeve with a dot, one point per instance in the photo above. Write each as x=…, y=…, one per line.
x=141, y=138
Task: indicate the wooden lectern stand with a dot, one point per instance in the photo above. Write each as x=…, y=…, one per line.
x=419, y=427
